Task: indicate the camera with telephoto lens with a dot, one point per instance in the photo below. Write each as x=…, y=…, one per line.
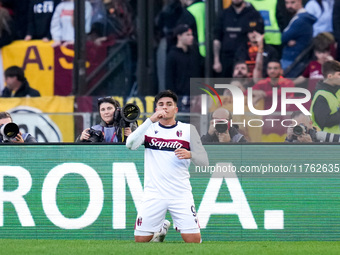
x=123, y=116
x=302, y=129
x=221, y=125
x=96, y=136
x=8, y=132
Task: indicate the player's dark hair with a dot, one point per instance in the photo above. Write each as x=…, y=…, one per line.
x=166, y=93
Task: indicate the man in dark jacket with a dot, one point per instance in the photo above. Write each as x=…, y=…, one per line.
x=17, y=85
x=40, y=13
x=298, y=35
x=183, y=62
x=230, y=32
x=283, y=16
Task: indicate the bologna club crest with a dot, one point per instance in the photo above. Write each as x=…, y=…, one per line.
x=179, y=133
x=139, y=221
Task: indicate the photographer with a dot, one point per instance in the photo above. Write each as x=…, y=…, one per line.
x=305, y=134
x=220, y=130
x=325, y=104
x=109, y=130
x=6, y=118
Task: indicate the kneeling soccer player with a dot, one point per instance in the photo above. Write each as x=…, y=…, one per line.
x=169, y=146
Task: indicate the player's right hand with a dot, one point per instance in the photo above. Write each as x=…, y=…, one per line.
x=157, y=115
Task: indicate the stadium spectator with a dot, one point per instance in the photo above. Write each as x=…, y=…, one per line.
x=39, y=19
x=183, y=62
x=248, y=51
x=99, y=15
x=323, y=11
x=19, y=8
x=230, y=32
x=336, y=26
x=221, y=130
x=109, y=126
x=62, y=23
x=17, y=84
x=241, y=70
x=322, y=52
x=171, y=16
x=5, y=118
x=325, y=104
x=118, y=23
x=197, y=9
x=308, y=134
x=272, y=34
x=283, y=16
x=6, y=28
x=241, y=78
x=298, y=34
x=169, y=146
x=264, y=88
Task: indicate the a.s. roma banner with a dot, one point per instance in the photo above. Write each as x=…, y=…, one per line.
x=37, y=59
x=48, y=69
x=63, y=65
x=43, y=117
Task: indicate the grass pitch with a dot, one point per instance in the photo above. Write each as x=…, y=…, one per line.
x=82, y=247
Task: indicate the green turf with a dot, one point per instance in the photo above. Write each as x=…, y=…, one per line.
x=74, y=247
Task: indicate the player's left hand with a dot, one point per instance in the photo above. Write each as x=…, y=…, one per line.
x=182, y=153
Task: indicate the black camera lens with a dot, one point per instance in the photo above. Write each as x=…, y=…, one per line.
x=9, y=130
x=221, y=127
x=130, y=112
x=298, y=130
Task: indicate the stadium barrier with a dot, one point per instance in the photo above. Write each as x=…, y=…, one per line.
x=248, y=192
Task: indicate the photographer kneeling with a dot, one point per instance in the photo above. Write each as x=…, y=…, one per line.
x=9, y=131
x=110, y=129
x=220, y=130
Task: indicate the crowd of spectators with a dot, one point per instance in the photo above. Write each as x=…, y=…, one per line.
x=292, y=32
x=264, y=44
x=54, y=19
x=245, y=30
